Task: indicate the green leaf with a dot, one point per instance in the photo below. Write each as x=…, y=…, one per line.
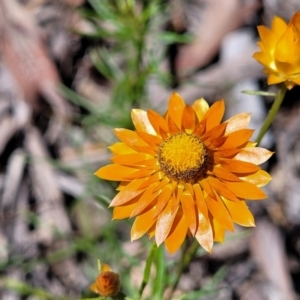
x=172, y=37
x=105, y=64
x=259, y=93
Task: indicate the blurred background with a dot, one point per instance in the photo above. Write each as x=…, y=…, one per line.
x=70, y=72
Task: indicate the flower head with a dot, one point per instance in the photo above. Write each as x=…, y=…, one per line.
x=186, y=173
x=280, y=48
x=107, y=283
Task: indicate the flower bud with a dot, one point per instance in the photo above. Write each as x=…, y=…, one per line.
x=107, y=283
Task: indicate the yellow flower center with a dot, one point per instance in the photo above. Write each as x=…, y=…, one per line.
x=183, y=157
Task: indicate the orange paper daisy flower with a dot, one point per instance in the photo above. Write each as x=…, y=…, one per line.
x=186, y=173
x=280, y=48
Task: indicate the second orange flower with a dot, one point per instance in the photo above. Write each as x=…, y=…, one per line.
x=280, y=48
x=186, y=173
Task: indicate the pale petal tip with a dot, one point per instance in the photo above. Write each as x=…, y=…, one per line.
x=134, y=236
x=252, y=223
x=208, y=248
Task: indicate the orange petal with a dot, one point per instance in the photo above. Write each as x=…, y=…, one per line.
x=121, y=148
x=133, y=185
x=279, y=26
x=142, y=172
x=260, y=178
x=204, y=233
x=226, y=153
x=177, y=233
x=164, y=134
x=136, y=184
x=151, y=179
x=246, y=190
x=123, y=211
x=130, y=159
x=114, y=172
x=286, y=50
x=215, y=114
x=163, y=199
x=150, y=139
x=125, y=196
x=220, y=212
x=295, y=20
x=173, y=129
x=237, y=122
x=175, y=108
x=238, y=166
x=163, y=182
x=146, y=200
x=200, y=201
x=215, y=132
x=218, y=230
x=206, y=187
x=240, y=213
x=141, y=122
x=255, y=155
x=237, y=138
x=189, y=188
x=221, y=189
x=267, y=37
x=200, y=128
x=296, y=80
x=221, y=173
x=188, y=118
x=157, y=121
x=151, y=231
x=265, y=60
x=131, y=139
x=142, y=224
x=179, y=192
x=274, y=79
x=201, y=107
x=190, y=211
x=174, y=203
x=215, y=143
x=164, y=224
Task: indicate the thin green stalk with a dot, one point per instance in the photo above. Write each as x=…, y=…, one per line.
x=186, y=258
x=272, y=113
x=147, y=269
x=139, y=86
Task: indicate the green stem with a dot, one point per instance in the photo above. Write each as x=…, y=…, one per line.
x=186, y=258
x=147, y=269
x=272, y=113
x=159, y=280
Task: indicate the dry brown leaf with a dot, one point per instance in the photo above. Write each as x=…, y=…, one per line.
x=26, y=57
x=210, y=82
x=50, y=206
x=216, y=19
x=67, y=270
x=8, y=127
x=267, y=248
x=13, y=177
